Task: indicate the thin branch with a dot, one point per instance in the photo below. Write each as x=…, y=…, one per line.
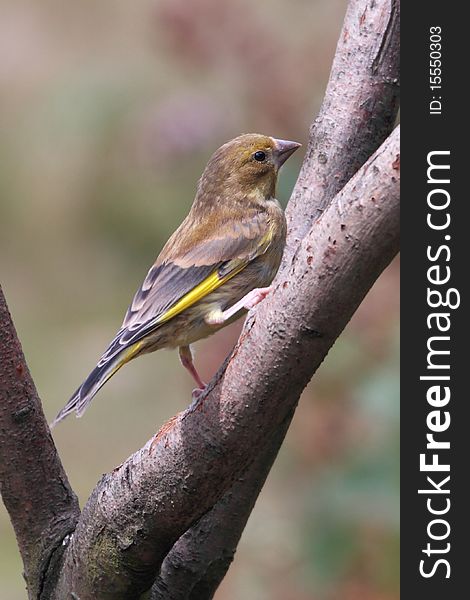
x=137, y=512
x=33, y=483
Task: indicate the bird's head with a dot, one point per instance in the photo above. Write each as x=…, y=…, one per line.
x=248, y=164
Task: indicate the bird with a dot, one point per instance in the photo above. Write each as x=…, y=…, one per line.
x=218, y=264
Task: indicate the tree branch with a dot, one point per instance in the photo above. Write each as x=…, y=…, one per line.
x=33, y=483
x=137, y=512
x=197, y=563
x=357, y=114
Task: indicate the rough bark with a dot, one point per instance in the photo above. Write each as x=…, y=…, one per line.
x=41, y=504
x=357, y=114
x=197, y=563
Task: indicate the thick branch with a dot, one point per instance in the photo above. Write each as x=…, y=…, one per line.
x=137, y=512
x=357, y=114
x=200, y=558
x=34, y=486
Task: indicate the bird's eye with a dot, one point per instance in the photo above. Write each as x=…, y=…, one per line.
x=259, y=156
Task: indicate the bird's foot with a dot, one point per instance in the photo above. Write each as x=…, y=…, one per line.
x=255, y=297
x=218, y=317
x=197, y=393
x=196, y=396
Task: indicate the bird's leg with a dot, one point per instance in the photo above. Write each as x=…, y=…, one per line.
x=186, y=358
x=217, y=317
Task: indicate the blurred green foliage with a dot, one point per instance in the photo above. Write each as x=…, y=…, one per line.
x=108, y=113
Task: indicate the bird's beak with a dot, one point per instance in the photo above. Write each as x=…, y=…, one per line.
x=284, y=149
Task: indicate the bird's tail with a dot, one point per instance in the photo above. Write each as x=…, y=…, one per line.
x=79, y=402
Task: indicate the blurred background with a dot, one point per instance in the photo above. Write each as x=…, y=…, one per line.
x=108, y=113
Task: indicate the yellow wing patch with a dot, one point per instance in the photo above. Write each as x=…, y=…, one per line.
x=209, y=284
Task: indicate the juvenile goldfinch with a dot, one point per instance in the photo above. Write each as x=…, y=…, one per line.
x=218, y=263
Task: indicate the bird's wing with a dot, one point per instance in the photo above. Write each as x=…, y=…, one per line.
x=186, y=276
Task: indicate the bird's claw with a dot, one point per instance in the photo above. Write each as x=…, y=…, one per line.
x=197, y=393
x=255, y=297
